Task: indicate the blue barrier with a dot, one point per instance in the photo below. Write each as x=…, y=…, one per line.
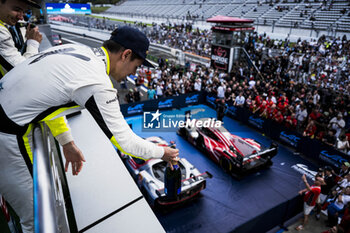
x=163, y=103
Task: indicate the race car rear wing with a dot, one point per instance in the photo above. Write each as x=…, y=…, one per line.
x=268, y=153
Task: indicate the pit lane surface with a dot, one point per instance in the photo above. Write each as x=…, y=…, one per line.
x=228, y=203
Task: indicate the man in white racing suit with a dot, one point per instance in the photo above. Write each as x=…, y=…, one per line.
x=62, y=80
x=11, y=11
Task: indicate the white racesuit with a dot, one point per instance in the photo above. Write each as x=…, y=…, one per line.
x=48, y=85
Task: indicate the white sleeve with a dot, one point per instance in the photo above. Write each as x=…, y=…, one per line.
x=103, y=105
x=32, y=48
x=9, y=54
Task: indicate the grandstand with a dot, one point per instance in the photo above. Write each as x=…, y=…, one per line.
x=313, y=14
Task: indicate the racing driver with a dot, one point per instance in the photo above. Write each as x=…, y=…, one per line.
x=57, y=82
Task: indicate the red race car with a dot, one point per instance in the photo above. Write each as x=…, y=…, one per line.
x=235, y=155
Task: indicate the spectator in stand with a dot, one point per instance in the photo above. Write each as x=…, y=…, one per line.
x=301, y=115
x=311, y=196
x=326, y=188
x=159, y=91
x=129, y=97
x=344, y=225
x=248, y=102
x=251, y=82
x=316, y=98
x=291, y=121
x=239, y=101
x=137, y=95
x=344, y=169
x=342, y=184
x=329, y=138
x=260, y=109
x=343, y=144
x=310, y=130
x=315, y=115
x=221, y=91
x=335, y=208
x=198, y=85
x=149, y=75
x=151, y=93
x=337, y=123
x=278, y=117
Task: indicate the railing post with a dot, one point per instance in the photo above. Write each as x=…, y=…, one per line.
x=44, y=201
x=49, y=208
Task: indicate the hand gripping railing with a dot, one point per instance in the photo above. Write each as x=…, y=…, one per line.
x=49, y=209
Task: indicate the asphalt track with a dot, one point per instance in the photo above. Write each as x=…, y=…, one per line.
x=227, y=203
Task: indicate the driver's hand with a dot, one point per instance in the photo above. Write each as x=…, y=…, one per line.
x=73, y=155
x=171, y=156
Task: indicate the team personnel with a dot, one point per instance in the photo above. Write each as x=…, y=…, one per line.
x=62, y=80
x=11, y=11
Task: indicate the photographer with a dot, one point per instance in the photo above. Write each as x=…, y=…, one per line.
x=10, y=55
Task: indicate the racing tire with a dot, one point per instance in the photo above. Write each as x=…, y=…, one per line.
x=226, y=164
x=269, y=163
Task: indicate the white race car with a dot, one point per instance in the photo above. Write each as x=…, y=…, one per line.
x=149, y=175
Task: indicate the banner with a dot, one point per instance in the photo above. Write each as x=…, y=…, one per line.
x=220, y=58
x=163, y=103
x=65, y=8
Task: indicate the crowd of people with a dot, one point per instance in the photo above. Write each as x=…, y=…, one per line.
x=305, y=88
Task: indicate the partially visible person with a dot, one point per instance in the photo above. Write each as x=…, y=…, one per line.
x=311, y=196
x=310, y=129
x=220, y=109
x=337, y=123
x=343, y=144
x=336, y=208
x=326, y=188
x=240, y=100
x=151, y=93
x=11, y=11
x=329, y=138
x=13, y=51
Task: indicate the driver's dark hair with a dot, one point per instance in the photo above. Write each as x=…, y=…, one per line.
x=114, y=47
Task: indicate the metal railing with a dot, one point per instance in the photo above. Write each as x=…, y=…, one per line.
x=49, y=207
